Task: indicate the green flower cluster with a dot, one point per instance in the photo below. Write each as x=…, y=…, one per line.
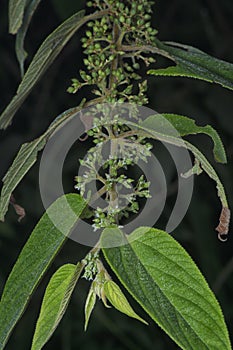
x=90, y=263
x=114, y=52
x=111, y=174
x=115, y=55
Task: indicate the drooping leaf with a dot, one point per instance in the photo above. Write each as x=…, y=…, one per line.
x=164, y=280
x=44, y=57
x=151, y=127
x=116, y=297
x=19, y=43
x=89, y=306
x=25, y=159
x=194, y=63
x=55, y=302
x=187, y=126
x=16, y=12
x=36, y=256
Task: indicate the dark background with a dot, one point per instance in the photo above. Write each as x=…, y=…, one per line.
x=206, y=24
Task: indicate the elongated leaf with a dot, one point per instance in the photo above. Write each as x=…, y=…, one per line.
x=23, y=162
x=164, y=280
x=45, y=55
x=119, y=301
x=186, y=126
x=194, y=63
x=25, y=159
x=16, y=12
x=55, y=302
x=151, y=128
x=89, y=306
x=19, y=43
x=42, y=246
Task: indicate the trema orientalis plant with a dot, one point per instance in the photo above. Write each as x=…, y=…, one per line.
x=120, y=47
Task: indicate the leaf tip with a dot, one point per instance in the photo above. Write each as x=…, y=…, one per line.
x=223, y=226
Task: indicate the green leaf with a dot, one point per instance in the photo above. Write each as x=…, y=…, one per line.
x=55, y=302
x=23, y=162
x=36, y=256
x=119, y=301
x=25, y=159
x=16, y=12
x=194, y=63
x=44, y=57
x=19, y=43
x=151, y=127
x=186, y=126
x=89, y=306
x=164, y=280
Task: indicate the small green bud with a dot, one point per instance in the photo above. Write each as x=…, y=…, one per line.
x=97, y=46
x=136, y=65
x=85, y=61
x=89, y=34
x=151, y=59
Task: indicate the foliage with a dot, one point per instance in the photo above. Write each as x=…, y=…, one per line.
x=119, y=45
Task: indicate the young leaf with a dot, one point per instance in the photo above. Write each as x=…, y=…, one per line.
x=16, y=12
x=25, y=159
x=119, y=301
x=35, y=258
x=19, y=43
x=187, y=126
x=193, y=63
x=164, y=280
x=55, y=302
x=89, y=306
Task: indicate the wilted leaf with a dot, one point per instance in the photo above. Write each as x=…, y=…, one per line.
x=187, y=126
x=151, y=128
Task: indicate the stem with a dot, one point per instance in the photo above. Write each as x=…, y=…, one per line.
x=97, y=195
x=117, y=38
x=148, y=48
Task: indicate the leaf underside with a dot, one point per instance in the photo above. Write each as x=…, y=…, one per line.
x=194, y=63
x=25, y=159
x=16, y=12
x=44, y=57
x=19, y=42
